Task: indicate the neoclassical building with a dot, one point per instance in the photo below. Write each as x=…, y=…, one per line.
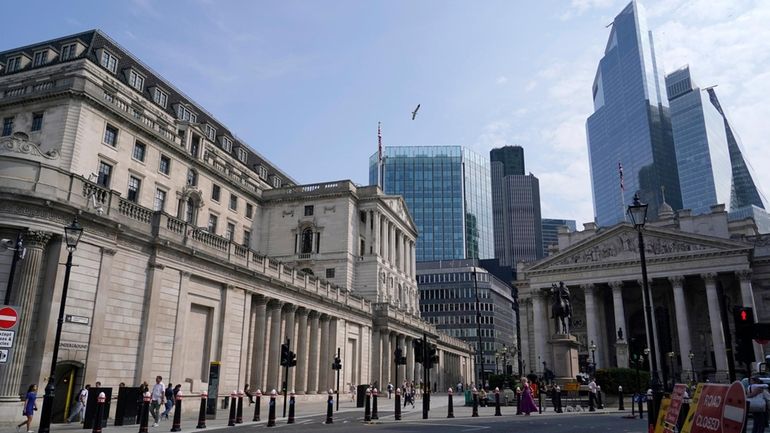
x=195, y=248
x=693, y=263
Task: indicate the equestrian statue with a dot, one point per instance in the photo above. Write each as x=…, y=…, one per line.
x=561, y=310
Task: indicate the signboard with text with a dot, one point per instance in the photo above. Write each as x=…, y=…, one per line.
x=9, y=322
x=716, y=408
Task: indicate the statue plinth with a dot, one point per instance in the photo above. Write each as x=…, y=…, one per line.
x=565, y=357
x=621, y=353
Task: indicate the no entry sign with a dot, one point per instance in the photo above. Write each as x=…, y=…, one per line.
x=8, y=318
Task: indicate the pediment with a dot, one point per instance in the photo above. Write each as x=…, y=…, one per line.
x=620, y=243
x=398, y=206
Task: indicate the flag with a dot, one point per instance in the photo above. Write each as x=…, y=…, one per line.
x=620, y=171
x=379, y=143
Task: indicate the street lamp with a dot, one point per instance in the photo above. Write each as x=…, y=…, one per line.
x=638, y=213
x=638, y=361
x=671, y=363
x=498, y=355
x=592, y=347
x=478, y=328
x=692, y=366
x=72, y=235
x=18, y=253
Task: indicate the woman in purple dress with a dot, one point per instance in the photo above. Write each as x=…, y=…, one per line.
x=527, y=402
x=29, y=408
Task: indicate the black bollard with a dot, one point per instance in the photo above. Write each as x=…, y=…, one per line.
x=374, y=404
x=368, y=406
x=558, y=399
x=202, y=411
x=591, y=401
x=475, y=403
x=271, y=410
x=518, y=401
x=497, y=402
x=257, y=404
x=397, y=413
x=633, y=405
x=231, y=420
x=539, y=400
x=144, y=417
x=330, y=408
x=620, y=398
x=176, y=425
x=239, y=409
x=291, y=408
x=641, y=406
x=600, y=402
x=99, y=413
x=450, y=412
x=650, y=407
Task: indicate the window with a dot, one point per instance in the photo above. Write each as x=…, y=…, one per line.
x=165, y=164
x=40, y=58
x=246, y=238
x=307, y=241
x=111, y=135
x=190, y=215
x=242, y=154
x=212, y=227
x=233, y=202
x=249, y=210
x=160, y=97
x=183, y=113
x=211, y=132
x=7, y=126
x=329, y=272
x=14, y=64
x=68, y=51
x=140, y=149
x=109, y=61
x=276, y=182
x=135, y=80
x=309, y=210
x=192, y=177
x=230, y=231
x=37, y=122
x=133, y=188
x=160, y=200
x=262, y=171
x=105, y=174
x=227, y=144
x=195, y=145
x=215, y=190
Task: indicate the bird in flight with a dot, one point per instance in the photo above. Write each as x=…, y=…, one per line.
x=414, y=113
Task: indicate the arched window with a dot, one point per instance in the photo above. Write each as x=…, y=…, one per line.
x=307, y=241
x=190, y=207
x=192, y=177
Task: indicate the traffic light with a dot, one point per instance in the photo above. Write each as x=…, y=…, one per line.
x=744, y=332
x=399, y=357
x=292, y=359
x=432, y=356
x=285, y=354
x=419, y=351
x=337, y=364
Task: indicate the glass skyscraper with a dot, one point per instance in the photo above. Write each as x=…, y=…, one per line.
x=630, y=124
x=551, y=231
x=447, y=191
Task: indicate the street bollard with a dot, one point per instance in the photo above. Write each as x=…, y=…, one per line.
x=292, y=401
x=144, y=417
x=330, y=408
x=368, y=405
x=239, y=408
x=374, y=404
x=231, y=419
x=99, y=413
x=397, y=413
x=640, y=398
x=633, y=405
x=518, y=401
x=271, y=410
x=475, y=403
x=257, y=404
x=591, y=401
x=620, y=398
x=650, y=407
x=177, y=423
x=600, y=401
x=539, y=400
x=450, y=412
x=202, y=411
x=497, y=402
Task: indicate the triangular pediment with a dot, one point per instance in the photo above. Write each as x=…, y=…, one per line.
x=398, y=206
x=620, y=243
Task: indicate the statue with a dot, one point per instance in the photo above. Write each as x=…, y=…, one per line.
x=561, y=310
x=620, y=334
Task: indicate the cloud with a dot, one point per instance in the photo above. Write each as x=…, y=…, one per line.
x=579, y=7
x=501, y=79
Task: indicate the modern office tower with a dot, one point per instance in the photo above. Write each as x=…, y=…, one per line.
x=447, y=192
x=630, y=124
x=515, y=208
x=551, y=231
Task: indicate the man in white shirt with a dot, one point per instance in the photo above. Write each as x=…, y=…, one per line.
x=157, y=398
x=592, y=395
x=80, y=405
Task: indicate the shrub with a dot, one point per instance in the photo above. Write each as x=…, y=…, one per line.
x=610, y=378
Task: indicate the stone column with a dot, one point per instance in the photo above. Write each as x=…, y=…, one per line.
x=302, y=351
x=385, y=371
x=715, y=320
x=393, y=343
x=260, y=336
x=331, y=352
x=682, y=324
x=540, y=329
x=381, y=235
x=591, y=319
x=747, y=298
x=391, y=245
x=409, y=343
x=23, y=296
x=288, y=333
x=324, y=365
x=274, y=359
x=376, y=357
x=401, y=342
x=312, y=360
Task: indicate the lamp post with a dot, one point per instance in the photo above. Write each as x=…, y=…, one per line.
x=18, y=253
x=498, y=355
x=692, y=366
x=505, y=366
x=478, y=328
x=72, y=235
x=638, y=361
x=671, y=356
x=638, y=213
x=592, y=347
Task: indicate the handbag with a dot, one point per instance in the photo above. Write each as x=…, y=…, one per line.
x=757, y=403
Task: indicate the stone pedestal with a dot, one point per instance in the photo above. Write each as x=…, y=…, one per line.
x=621, y=353
x=565, y=357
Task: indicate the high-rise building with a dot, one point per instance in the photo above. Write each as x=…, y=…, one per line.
x=447, y=192
x=551, y=231
x=515, y=208
x=630, y=124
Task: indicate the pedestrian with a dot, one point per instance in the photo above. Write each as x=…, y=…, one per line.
x=352, y=392
x=527, y=401
x=248, y=393
x=80, y=405
x=556, y=398
x=592, y=395
x=757, y=390
x=157, y=397
x=30, y=407
x=169, y=394
x=390, y=390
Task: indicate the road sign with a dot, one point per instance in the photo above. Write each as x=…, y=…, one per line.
x=735, y=409
x=3, y=356
x=716, y=408
x=672, y=415
x=8, y=318
x=6, y=339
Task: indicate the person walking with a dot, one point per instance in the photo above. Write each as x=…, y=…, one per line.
x=80, y=405
x=248, y=393
x=527, y=401
x=592, y=395
x=157, y=397
x=30, y=407
x=169, y=394
x=390, y=390
x=759, y=414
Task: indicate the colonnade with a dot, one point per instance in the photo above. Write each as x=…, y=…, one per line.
x=391, y=243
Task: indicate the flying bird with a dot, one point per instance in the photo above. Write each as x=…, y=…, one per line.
x=414, y=113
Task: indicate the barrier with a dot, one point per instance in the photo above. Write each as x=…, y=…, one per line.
x=202, y=411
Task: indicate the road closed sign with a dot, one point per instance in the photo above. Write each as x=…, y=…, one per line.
x=719, y=409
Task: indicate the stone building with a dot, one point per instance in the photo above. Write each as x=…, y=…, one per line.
x=195, y=246
x=692, y=263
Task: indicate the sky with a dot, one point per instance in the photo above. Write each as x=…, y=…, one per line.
x=305, y=82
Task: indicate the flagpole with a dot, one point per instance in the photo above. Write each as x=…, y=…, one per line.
x=622, y=193
x=380, y=159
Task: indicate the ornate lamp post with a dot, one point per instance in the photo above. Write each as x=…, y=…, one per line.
x=692, y=366
x=505, y=366
x=671, y=356
x=638, y=213
x=72, y=235
x=498, y=355
x=592, y=348
x=18, y=254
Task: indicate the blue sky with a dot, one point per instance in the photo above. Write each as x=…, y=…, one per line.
x=305, y=82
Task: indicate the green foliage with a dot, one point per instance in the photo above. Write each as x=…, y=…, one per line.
x=610, y=378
